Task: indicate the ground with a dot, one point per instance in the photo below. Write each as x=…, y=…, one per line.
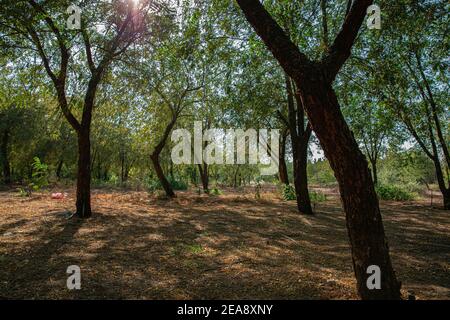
x=232, y=246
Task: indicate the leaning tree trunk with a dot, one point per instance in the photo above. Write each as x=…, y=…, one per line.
x=4, y=158
x=84, y=175
x=314, y=82
x=162, y=178
x=155, y=159
x=360, y=202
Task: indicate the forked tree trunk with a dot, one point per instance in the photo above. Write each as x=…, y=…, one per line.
x=162, y=178
x=84, y=175
x=314, y=82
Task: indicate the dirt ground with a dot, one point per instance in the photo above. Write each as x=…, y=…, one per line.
x=230, y=246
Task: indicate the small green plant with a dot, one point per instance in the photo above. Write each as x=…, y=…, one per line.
x=154, y=185
x=24, y=192
x=288, y=193
x=39, y=177
x=215, y=192
x=392, y=192
x=258, y=191
x=194, y=248
x=178, y=184
x=317, y=197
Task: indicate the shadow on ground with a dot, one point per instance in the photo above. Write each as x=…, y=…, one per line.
x=204, y=247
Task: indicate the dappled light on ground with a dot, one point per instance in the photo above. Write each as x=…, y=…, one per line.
x=207, y=247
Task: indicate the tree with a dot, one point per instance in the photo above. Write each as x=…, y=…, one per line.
x=414, y=82
x=33, y=23
x=300, y=135
x=314, y=82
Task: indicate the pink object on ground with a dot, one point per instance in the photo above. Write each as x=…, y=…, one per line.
x=58, y=195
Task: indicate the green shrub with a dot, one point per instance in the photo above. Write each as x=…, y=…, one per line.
x=215, y=192
x=24, y=192
x=154, y=185
x=288, y=193
x=392, y=192
x=194, y=248
x=178, y=184
x=317, y=197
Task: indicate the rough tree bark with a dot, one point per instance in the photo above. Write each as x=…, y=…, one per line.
x=282, y=167
x=84, y=176
x=314, y=83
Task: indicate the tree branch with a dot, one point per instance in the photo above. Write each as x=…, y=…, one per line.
x=340, y=50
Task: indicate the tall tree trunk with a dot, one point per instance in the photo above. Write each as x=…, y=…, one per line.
x=84, y=175
x=59, y=168
x=6, y=170
x=314, y=83
x=204, y=175
x=282, y=167
x=360, y=202
x=162, y=178
x=300, y=139
x=122, y=167
x=301, y=180
x=172, y=176
x=235, y=178
x=446, y=196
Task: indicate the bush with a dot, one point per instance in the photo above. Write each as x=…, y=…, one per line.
x=154, y=185
x=39, y=177
x=215, y=192
x=392, y=192
x=317, y=197
x=178, y=184
x=289, y=193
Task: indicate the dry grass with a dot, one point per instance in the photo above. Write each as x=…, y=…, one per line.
x=204, y=247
